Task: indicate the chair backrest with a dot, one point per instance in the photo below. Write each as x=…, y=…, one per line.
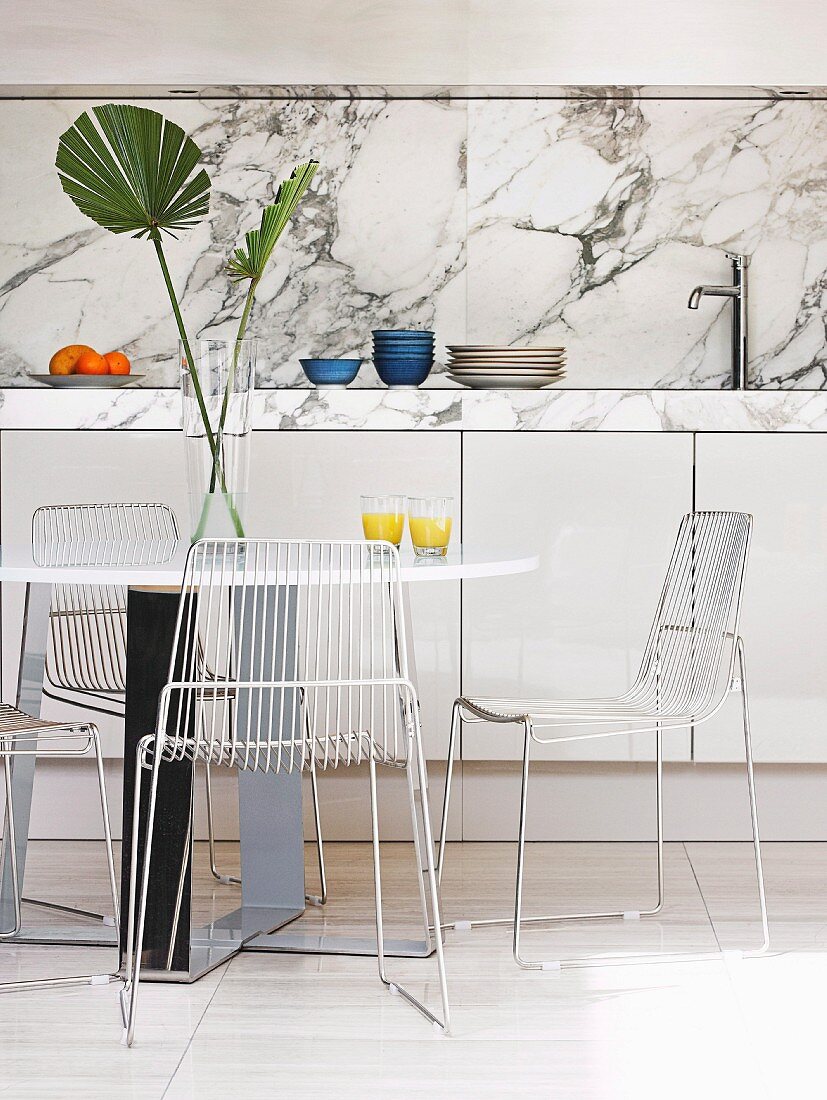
x=87, y=623
x=697, y=616
x=288, y=653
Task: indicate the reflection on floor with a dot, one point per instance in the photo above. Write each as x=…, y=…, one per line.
x=291, y=1025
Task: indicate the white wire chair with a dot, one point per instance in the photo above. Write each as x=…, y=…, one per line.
x=309, y=668
x=86, y=655
x=21, y=735
x=686, y=674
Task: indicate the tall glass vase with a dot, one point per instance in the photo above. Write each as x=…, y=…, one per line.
x=217, y=392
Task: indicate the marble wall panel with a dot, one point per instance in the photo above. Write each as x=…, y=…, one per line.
x=584, y=222
x=591, y=220
x=379, y=243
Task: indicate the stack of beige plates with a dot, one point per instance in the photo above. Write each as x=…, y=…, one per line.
x=485, y=366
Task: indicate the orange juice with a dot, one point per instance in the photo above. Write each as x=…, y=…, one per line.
x=430, y=533
x=387, y=526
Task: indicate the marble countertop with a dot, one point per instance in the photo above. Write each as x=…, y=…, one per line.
x=436, y=410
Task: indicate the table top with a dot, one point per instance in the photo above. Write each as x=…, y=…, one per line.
x=163, y=564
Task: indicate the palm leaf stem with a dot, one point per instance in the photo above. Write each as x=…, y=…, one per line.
x=242, y=329
x=217, y=472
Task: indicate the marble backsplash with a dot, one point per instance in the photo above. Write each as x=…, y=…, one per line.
x=580, y=221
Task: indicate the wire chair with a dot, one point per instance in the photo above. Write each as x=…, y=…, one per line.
x=309, y=664
x=86, y=654
x=21, y=735
x=686, y=674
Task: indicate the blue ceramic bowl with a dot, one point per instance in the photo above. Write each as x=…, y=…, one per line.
x=331, y=372
x=408, y=345
x=394, y=356
x=402, y=334
x=403, y=371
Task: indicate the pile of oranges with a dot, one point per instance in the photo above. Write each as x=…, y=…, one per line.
x=81, y=359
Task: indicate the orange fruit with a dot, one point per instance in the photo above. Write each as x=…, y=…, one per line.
x=118, y=362
x=65, y=360
x=89, y=362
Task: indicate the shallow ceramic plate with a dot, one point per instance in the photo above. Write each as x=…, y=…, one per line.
x=473, y=364
x=504, y=381
x=529, y=371
x=86, y=381
x=470, y=348
x=499, y=356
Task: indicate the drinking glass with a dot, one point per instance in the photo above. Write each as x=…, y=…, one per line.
x=429, y=521
x=383, y=518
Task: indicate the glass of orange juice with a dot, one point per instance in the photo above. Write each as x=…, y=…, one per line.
x=383, y=518
x=429, y=521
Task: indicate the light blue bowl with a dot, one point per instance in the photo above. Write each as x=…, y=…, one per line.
x=331, y=373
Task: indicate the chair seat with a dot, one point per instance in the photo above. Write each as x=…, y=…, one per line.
x=16, y=724
x=576, y=711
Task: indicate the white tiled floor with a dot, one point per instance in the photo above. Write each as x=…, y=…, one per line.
x=291, y=1025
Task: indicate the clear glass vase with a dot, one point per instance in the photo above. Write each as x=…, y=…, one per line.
x=217, y=396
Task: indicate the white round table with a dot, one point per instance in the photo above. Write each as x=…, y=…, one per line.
x=271, y=833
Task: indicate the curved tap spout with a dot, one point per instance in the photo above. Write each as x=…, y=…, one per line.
x=712, y=292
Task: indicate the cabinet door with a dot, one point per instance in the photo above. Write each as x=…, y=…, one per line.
x=72, y=467
x=308, y=484
x=782, y=481
x=303, y=485
x=602, y=510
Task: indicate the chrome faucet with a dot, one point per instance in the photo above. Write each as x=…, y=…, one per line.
x=738, y=293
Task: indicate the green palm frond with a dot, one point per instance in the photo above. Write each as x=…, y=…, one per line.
x=249, y=262
x=132, y=171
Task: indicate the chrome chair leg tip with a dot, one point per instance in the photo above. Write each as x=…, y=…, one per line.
x=631, y=914
x=553, y=967
x=439, y=1031
x=125, y=1038
x=462, y=926
x=732, y=955
x=109, y=922
x=313, y=899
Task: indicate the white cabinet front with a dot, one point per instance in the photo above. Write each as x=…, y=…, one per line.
x=602, y=510
x=782, y=481
x=303, y=485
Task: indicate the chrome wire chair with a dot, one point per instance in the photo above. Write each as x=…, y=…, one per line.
x=687, y=672
x=86, y=655
x=21, y=735
x=309, y=670
x=87, y=622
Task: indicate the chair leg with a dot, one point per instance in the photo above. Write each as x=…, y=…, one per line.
x=317, y=899
x=9, y=832
x=443, y=829
x=393, y=987
x=626, y=914
x=107, y=833
x=226, y=880
x=753, y=805
x=234, y=880
x=105, y=918
x=518, y=894
x=10, y=851
x=418, y=832
x=135, y=937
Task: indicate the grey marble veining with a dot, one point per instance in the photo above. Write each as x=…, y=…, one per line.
x=590, y=222
x=583, y=220
x=559, y=410
x=380, y=242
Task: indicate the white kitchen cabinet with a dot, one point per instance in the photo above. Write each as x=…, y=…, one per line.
x=303, y=484
x=782, y=481
x=602, y=510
